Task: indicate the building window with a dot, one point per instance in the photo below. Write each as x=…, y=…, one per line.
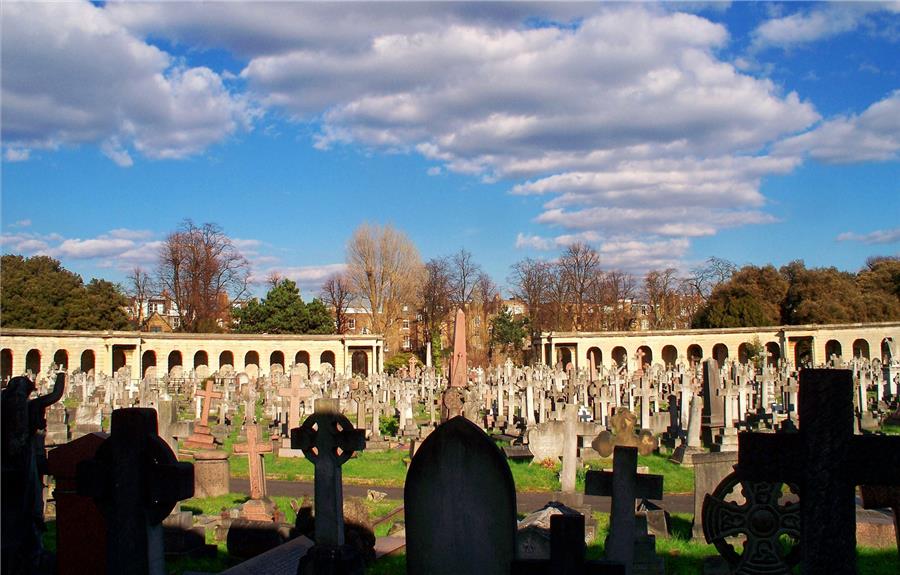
x=405, y=308
x=406, y=324
x=351, y=323
x=406, y=342
x=418, y=317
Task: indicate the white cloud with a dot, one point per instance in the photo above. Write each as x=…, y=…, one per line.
x=816, y=24
x=308, y=278
x=16, y=155
x=435, y=171
x=21, y=224
x=92, y=248
x=876, y=237
x=873, y=135
x=71, y=75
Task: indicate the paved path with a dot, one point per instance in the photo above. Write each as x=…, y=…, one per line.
x=527, y=501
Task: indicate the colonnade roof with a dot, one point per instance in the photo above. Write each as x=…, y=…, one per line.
x=355, y=338
x=792, y=329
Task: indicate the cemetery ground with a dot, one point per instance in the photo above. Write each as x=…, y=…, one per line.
x=387, y=469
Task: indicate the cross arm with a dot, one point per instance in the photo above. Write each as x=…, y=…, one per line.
x=771, y=456
x=601, y=483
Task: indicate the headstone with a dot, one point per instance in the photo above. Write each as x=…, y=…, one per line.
x=257, y=466
x=826, y=461
x=328, y=440
x=460, y=504
x=136, y=481
x=202, y=438
x=625, y=544
x=623, y=434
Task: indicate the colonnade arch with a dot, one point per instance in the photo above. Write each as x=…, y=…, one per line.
x=6, y=363
x=669, y=355
x=327, y=357
x=251, y=363
x=33, y=361
x=720, y=353
x=861, y=348
x=88, y=361
x=175, y=366
x=694, y=353
x=226, y=361
x=61, y=359
x=148, y=364
x=646, y=356
x=276, y=362
x=359, y=363
x=302, y=357
x=620, y=356
x=832, y=347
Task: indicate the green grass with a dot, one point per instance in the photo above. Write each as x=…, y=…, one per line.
x=890, y=429
x=676, y=478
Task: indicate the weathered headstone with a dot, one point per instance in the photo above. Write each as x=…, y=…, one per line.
x=453, y=398
x=623, y=434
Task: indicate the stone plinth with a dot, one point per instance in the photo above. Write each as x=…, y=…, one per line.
x=211, y=474
x=709, y=470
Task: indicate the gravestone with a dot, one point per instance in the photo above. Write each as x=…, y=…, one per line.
x=136, y=482
x=623, y=434
x=453, y=398
x=825, y=460
x=713, y=417
x=259, y=508
x=626, y=544
x=80, y=527
x=202, y=438
x=328, y=440
x=460, y=504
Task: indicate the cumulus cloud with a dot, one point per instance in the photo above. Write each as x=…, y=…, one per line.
x=72, y=75
x=876, y=237
x=16, y=155
x=873, y=135
x=308, y=278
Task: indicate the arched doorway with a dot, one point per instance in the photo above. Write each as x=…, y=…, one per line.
x=720, y=353
x=327, y=357
x=201, y=364
x=88, y=361
x=276, y=363
x=773, y=353
x=861, y=348
x=175, y=367
x=832, y=348
x=744, y=353
x=565, y=356
x=620, y=356
x=694, y=353
x=61, y=359
x=360, y=363
x=251, y=364
x=302, y=357
x=148, y=364
x=803, y=351
x=646, y=357
x=33, y=362
x=6, y=363
x=669, y=355
x=226, y=362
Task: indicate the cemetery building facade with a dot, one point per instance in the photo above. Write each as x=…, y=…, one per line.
x=799, y=344
x=176, y=354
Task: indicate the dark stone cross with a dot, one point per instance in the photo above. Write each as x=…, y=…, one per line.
x=826, y=461
x=624, y=484
x=136, y=481
x=328, y=440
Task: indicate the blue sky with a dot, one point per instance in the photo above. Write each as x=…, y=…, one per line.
x=661, y=134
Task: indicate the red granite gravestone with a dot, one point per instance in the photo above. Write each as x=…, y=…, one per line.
x=80, y=527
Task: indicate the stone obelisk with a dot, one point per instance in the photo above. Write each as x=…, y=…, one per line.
x=454, y=396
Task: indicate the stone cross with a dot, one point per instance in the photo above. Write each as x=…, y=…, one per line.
x=640, y=362
x=328, y=440
x=209, y=395
x=625, y=485
x=136, y=481
x=255, y=450
x=296, y=393
x=826, y=461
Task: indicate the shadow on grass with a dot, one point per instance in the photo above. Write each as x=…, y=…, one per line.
x=680, y=527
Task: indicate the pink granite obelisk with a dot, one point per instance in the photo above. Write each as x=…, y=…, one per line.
x=454, y=397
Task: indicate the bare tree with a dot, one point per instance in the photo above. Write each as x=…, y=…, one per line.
x=557, y=299
x=464, y=274
x=529, y=282
x=336, y=293
x=384, y=270
x=705, y=278
x=579, y=267
x=619, y=291
x=203, y=272
x=140, y=288
x=661, y=291
x=274, y=278
x=435, y=295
